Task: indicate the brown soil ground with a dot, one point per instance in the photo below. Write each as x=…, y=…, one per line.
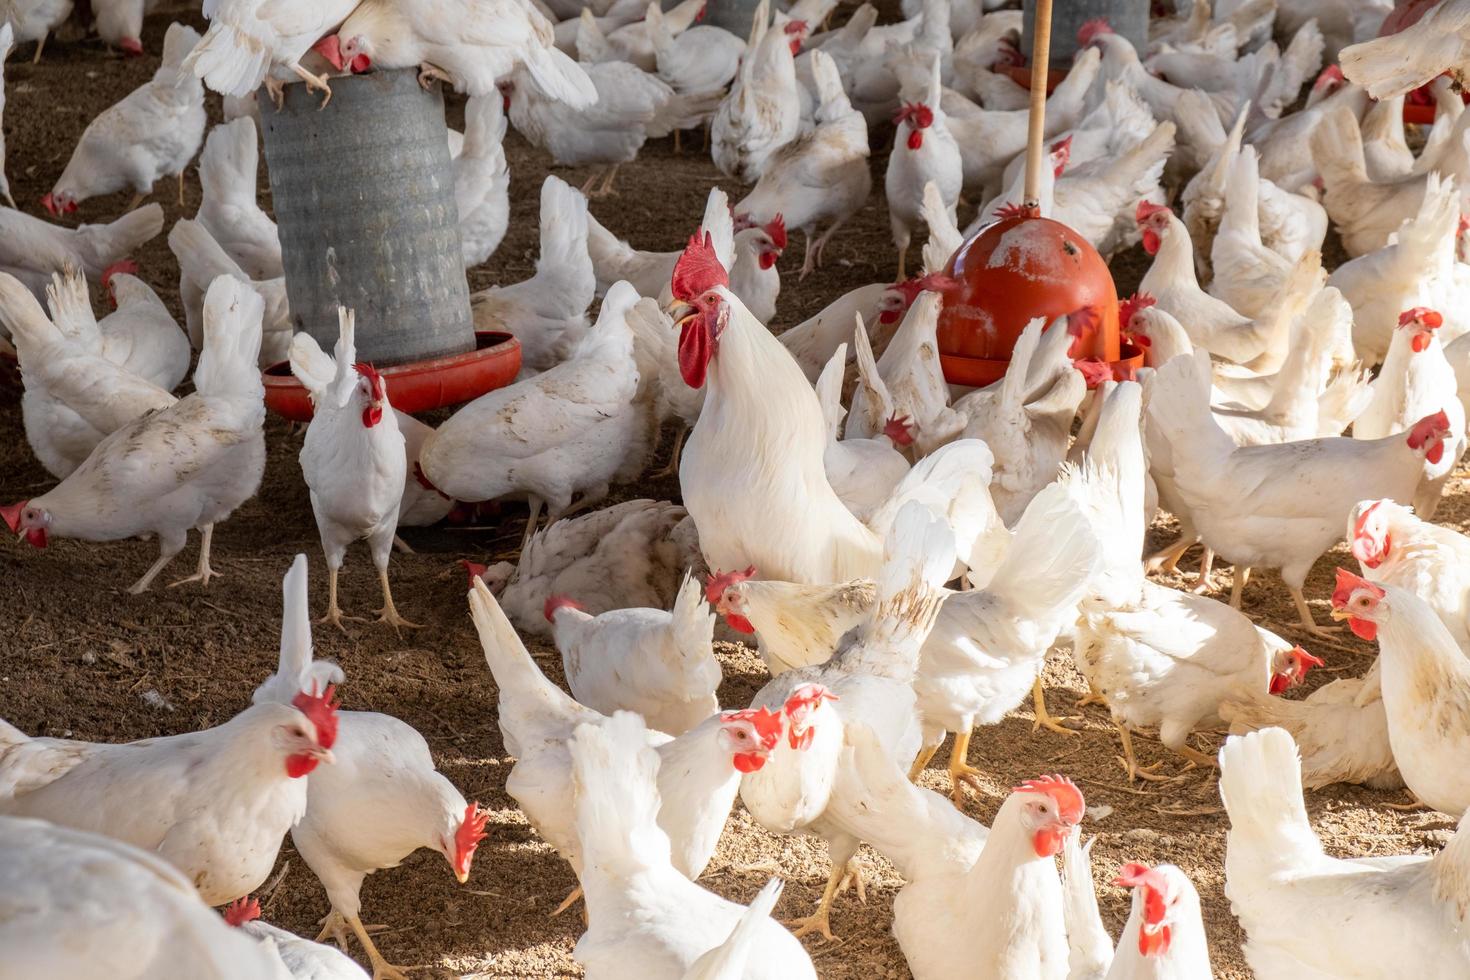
x=83, y=659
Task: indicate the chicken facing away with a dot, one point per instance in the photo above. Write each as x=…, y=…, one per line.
x=1378, y=917
x=482, y=181
x=186, y=466
x=33, y=250
x=228, y=207
x=141, y=335
x=216, y=803
x=352, y=457
x=379, y=801
x=647, y=921
x=466, y=43
x=1393, y=65
x=152, y=133
x=85, y=905
x=659, y=664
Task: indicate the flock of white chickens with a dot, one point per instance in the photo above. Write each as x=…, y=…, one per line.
x=903, y=554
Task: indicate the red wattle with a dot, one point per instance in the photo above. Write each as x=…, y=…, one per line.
x=749, y=761
x=1153, y=943
x=1280, y=683
x=299, y=765
x=372, y=415
x=1364, y=629
x=696, y=347
x=916, y=139
x=1150, y=241
x=1048, y=843
x=768, y=259
x=801, y=741
x=1420, y=343
x=739, y=623
x=36, y=537
x=1435, y=452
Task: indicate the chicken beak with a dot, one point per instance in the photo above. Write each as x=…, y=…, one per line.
x=461, y=876
x=679, y=311
x=323, y=755
x=1341, y=614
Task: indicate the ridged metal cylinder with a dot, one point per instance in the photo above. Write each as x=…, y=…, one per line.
x=364, y=200
x=733, y=15
x=1126, y=17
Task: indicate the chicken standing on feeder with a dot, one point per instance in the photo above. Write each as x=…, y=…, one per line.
x=255, y=42
x=353, y=459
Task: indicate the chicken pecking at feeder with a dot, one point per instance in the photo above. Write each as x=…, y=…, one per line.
x=364, y=200
x=1024, y=266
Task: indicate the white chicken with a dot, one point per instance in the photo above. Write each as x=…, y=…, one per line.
x=152, y=133
x=379, y=763
x=301, y=957
x=924, y=152
x=186, y=466
x=140, y=335
x=1396, y=63
x=548, y=312
x=33, y=250
x=229, y=209
x=482, y=181
x=74, y=395
x=1417, y=380
x=215, y=804
x=906, y=382
x=659, y=664
x=353, y=459
x=633, y=42
x=569, y=431
x=33, y=20
x=201, y=261
x=89, y=905
x=467, y=43
x=1375, y=917
x=762, y=111
x=255, y=42
x=1248, y=275
x=1279, y=506
x=1425, y=681
x=646, y=920
x=883, y=305
x=702, y=58
x=794, y=625
x=1396, y=547
x=630, y=554
x=863, y=471
x=700, y=769
x=817, y=181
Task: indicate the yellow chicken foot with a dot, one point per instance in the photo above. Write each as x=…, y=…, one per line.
x=960, y=770
x=1130, y=762
x=1202, y=580
x=1308, y=623
x=277, y=91
x=314, y=83
x=204, y=573
x=389, y=613
x=334, y=612
x=1044, y=718
x=820, y=920
x=382, y=969
x=40, y=46
x=1414, y=804
x=921, y=762
x=1168, y=559
x=1091, y=697
x=1198, y=758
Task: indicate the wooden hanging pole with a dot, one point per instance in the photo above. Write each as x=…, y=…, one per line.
x=1036, y=131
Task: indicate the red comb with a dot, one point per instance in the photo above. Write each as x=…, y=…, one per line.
x=1427, y=428
x=241, y=911
x=1011, y=210
x=474, y=569
x=795, y=27
x=1305, y=659
x=1091, y=29
x=1068, y=797
x=1330, y=74
x=471, y=831
x=1094, y=372
x=807, y=696
x=322, y=712
x=897, y=430
x=916, y=114
x=127, y=267
x=716, y=584
x=767, y=723
x=1147, y=209
x=1430, y=318
x=555, y=602
x=1134, y=304
x=1347, y=584
x=698, y=269
x=776, y=229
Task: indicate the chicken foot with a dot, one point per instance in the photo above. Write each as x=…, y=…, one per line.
x=1206, y=565
x=1239, y=580
x=382, y=969
x=1130, y=761
x=168, y=546
x=1167, y=559
x=673, y=468
x=921, y=761
x=535, y=503
x=334, y=614
x=429, y=74
x=1308, y=623
x=566, y=903
x=1044, y=718
x=837, y=882
x=389, y=613
x=314, y=83
x=40, y=46
x=204, y=573
x=961, y=773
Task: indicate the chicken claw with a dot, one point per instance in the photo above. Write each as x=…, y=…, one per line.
x=204, y=573
x=314, y=83
x=429, y=74
x=1044, y=718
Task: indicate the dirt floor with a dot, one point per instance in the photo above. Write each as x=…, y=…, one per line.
x=83, y=659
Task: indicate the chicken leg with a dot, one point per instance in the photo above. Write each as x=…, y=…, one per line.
x=1308, y=623
x=380, y=543
x=334, y=614
x=1206, y=565
x=921, y=761
x=40, y=46
x=170, y=543
x=536, y=504
x=903, y=257
x=382, y=969
x=1130, y=762
x=842, y=875
x=1167, y=559
x=314, y=83
x=389, y=613
x=205, y=573
x=1044, y=718
x=960, y=771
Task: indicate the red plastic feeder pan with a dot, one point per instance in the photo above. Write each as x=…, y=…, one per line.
x=415, y=387
x=1017, y=268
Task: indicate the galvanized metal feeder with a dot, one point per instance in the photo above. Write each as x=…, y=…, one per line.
x=364, y=203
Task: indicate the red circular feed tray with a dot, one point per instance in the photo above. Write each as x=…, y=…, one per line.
x=1017, y=268
x=416, y=387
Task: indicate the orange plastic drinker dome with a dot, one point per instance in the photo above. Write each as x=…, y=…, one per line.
x=1020, y=267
